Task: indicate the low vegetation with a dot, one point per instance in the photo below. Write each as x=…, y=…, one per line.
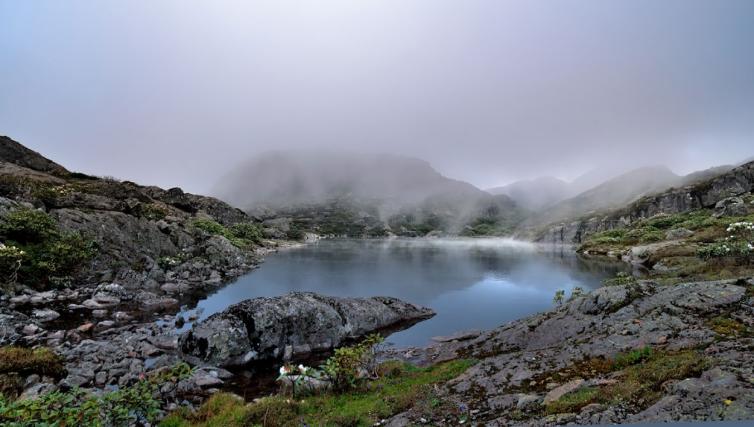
x=37, y=253
x=16, y=363
x=361, y=392
x=243, y=235
x=135, y=404
x=640, y=377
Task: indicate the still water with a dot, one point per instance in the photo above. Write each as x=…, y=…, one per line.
x=470, y=283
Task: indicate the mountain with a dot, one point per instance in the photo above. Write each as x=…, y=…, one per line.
x=327, y=191
x=286, y=178
x=611, y=194
x=535, y=194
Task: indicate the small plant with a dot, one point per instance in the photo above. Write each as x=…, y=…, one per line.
x=350, y=364
x=576, y=292
x=28, y=226
x=559, y=297
x=633, y=357
x=620, y=279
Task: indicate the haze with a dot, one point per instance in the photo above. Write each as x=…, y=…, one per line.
x=177, y=93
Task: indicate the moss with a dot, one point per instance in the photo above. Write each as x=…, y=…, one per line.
x=573, y=402
x=401, y=387
x=41, y=361
x=727, y=327
x=16, y=363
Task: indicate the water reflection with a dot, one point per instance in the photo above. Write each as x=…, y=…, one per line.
x=470, y=283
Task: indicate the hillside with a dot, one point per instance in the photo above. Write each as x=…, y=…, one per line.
x=735, y=183
x=110, y=230
x=535, y=194
x=355, y=194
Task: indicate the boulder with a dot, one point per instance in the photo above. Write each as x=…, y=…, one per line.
x=261, y=328
x=731, y=206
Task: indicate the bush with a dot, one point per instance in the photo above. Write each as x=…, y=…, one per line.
x=133, y=405
x=37, y=253
x=243, y=235
x=350, y=364
x=26, y=226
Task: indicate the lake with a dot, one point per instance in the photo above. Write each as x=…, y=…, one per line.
x=470, y=283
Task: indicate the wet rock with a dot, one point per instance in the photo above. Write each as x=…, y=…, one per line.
x=261, y=328
x=31, y=329
x=45, y=315
x=458, y=336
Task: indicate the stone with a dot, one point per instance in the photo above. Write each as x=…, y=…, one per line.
x=45, y=315
x=31, y=329
x=458, y=336
x=678, y=233
x=261, y=328
x=85, y=328
x=731, y=206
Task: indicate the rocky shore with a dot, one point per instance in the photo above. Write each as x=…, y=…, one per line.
x=622, y=354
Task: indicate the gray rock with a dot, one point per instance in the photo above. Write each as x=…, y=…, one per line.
x=731, y=206
x=261, y=328
x=45, y=315
x=678, y=233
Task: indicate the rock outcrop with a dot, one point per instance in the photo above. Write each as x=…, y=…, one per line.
x=531, y=362
x=291, y=326
x=703, y=195
x=144, y=235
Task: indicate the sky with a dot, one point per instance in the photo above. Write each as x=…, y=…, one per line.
x=178, y=92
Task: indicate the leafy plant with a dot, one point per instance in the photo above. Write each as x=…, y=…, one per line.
x=350, y=364
x=559, y=297
x=37, y=253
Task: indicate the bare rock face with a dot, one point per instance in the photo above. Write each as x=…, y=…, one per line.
x=297, y=323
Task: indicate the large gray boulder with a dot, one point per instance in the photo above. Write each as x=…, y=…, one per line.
x=292, y=325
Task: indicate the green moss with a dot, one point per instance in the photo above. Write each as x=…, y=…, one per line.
x=401, y=386
x=573, y=402
x=633, y=357
x=727, y=327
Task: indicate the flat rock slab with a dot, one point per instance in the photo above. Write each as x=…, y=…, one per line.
x=301, y=322
x=458, y=336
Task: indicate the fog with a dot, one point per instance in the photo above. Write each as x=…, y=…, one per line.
x=178, y=93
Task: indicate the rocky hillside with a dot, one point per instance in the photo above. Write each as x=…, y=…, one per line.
x=706, y=194
x=75, y=229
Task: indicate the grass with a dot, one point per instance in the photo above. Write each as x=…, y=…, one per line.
x=16, y=363
x=400, y=387
x=641, y=374
x=573, y=402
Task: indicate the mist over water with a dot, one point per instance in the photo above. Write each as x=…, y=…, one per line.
x=470, y=283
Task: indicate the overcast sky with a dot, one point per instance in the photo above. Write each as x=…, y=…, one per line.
x=177, y=92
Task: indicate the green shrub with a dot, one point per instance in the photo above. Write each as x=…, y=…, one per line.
x=28, y=226
x=37, y=253
x=620, y=279
x=131, y=405
x=243, y=235
x=349, y=364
